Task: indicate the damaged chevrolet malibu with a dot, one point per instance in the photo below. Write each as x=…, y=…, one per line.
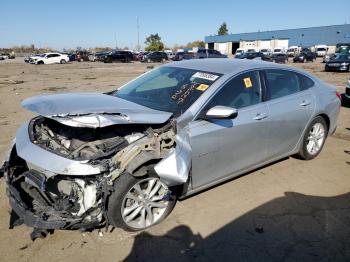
x=123, y=158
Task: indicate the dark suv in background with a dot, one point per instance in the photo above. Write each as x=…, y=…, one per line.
x=306, y=55
x=208, y=53
x=118, y=56
x=279, y=58
x=179, y=56
x=155, y=57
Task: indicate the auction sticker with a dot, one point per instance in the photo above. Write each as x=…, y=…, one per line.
x=202, y=87
x=207, y=76
x=247, y=82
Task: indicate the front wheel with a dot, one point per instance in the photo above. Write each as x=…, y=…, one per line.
x=139, y=203
x=63, y=61
x=314, y=139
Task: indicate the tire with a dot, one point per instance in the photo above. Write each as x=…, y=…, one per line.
x=40, y=63
x=63, y=61
x=163, y=60
x=305, y=151
x=149, y=60
x=119, y=203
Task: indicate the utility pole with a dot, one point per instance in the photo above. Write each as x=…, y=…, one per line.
x=115, y=39
x=138, y=33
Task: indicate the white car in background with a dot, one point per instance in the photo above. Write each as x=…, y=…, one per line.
x=278, y=50
x=265, y=51
x=49, y=58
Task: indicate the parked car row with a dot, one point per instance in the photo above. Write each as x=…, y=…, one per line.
x=122, y=56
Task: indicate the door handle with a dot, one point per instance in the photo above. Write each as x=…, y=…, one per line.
x=260, y=116
x=305, y=103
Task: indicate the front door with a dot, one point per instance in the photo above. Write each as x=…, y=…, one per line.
x=221, y=147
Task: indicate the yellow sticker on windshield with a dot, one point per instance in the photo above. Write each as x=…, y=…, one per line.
x=202, y=87
x=247, y=82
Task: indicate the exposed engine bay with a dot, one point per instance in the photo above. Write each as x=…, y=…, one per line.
x=47, y=200
x=82, y=143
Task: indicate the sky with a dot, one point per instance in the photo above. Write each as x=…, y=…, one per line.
x=87, y=23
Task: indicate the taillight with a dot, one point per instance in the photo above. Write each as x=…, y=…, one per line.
x=338, y=95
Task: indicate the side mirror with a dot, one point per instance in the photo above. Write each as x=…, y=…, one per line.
x=221, y=112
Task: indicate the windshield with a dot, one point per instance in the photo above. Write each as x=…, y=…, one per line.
x=321, y=49
x=263, y=50
x=342, y=57
x=277, y=50
x=169, y=89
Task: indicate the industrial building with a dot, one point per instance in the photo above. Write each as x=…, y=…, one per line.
x=303, y=37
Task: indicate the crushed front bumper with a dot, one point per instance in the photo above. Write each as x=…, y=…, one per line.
x=49, y=162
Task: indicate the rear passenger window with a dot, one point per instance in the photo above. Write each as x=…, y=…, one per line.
x=305, y=82
x=281, y=83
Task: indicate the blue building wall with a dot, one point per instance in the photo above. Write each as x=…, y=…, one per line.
x=328, y=35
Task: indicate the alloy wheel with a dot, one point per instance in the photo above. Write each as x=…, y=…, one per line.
x=145, y=203
x=315, y=139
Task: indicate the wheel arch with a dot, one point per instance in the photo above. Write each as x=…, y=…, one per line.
x=326, y=118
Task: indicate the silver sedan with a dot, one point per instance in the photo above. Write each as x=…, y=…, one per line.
x=125, y=157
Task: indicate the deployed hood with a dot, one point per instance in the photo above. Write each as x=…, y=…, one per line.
x=93, y=110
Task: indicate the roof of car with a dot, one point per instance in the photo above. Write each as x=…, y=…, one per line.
x=224, y=65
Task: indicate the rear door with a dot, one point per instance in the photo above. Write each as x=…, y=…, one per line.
x=221, y=147
x=291, y=105
x=55, y=58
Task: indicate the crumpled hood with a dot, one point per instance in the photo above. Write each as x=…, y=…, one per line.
x=93, y=110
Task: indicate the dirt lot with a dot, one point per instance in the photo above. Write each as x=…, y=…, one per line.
x=292, y=210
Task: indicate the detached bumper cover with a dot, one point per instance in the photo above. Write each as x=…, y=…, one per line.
x=29, y=218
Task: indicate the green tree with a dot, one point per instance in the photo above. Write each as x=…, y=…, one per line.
x=197, y=43
x=154, y=43
x=223, y=29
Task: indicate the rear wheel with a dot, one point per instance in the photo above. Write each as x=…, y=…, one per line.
x=314, y=139
x=139, y=203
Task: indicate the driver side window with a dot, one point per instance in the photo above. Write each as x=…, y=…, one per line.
x=241, y=91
